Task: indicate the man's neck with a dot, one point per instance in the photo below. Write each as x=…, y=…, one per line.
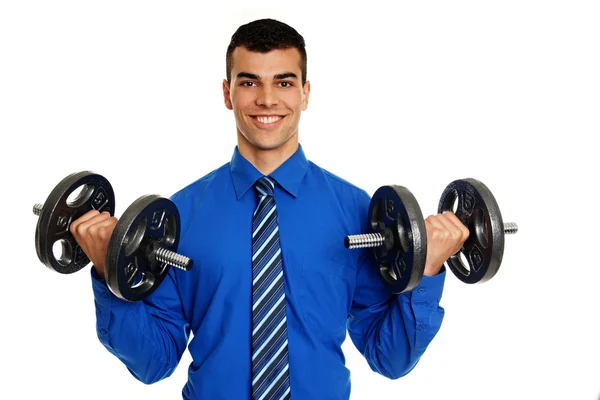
x=267, y=161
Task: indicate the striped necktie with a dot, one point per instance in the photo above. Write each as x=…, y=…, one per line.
x=270, y=371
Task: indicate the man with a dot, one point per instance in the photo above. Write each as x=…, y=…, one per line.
x=273, y=288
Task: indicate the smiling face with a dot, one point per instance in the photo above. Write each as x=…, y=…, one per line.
x=267, y=97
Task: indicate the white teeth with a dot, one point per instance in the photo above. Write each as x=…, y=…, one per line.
x=268, y=120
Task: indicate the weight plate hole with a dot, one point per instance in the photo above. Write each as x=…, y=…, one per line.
x=142, y=281
x=404, y=236
x=464, y=265
x=62, y=252
x=461, y=264
x=137, y=281
x=387, y=272
x=134, y=240
x=482, y=228
x=450, y=202
x=80, y=195
x=454, y=205
x=376, y=216
x=170, y=231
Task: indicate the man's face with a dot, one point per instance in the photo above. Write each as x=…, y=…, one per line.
x=266, y=95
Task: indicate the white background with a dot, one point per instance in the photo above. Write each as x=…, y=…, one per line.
x=417, y=95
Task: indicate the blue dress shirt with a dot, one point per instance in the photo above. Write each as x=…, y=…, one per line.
x=329, y=289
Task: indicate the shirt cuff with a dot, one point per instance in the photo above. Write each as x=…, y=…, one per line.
x=425, y=300
x=103, y=299
x=430, y=288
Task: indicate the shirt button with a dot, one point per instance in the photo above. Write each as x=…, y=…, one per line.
x=103, y=331
x=105, y=295
x=421, y=290
x=421, y=327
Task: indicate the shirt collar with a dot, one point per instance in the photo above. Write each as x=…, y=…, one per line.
x=289, y=175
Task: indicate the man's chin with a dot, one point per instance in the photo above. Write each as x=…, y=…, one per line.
x=268, y=146
x=266, y=141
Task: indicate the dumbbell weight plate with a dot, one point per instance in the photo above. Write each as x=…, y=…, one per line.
x=395, y=213
x=478, y=210
x=150, y=222
x=59, y=211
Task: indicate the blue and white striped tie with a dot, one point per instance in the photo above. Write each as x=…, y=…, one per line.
x=270, y=370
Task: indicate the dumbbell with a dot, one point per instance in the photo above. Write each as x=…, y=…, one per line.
x=399, y=239
x=141, y=249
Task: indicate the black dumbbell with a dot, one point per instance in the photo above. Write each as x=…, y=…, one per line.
x=57, y=213
x=141, y=249
x=399, y=239
x=476, y=207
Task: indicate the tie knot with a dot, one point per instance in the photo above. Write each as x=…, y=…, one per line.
x=265, y=186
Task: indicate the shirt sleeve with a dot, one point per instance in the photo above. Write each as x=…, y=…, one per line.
x=148, y=336
x=392, y=331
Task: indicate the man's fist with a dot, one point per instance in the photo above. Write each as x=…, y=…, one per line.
x=445, y=237
x=92, y=231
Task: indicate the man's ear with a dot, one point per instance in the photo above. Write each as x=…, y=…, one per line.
x=227, y=95
x=305, y=95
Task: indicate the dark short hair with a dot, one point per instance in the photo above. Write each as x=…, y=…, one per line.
x=264, y=35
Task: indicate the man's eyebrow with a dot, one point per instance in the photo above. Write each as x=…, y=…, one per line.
x=284, y=75
x=248, y=75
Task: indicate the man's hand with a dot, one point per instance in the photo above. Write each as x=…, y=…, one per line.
x=445, y=237
x=92, y=231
